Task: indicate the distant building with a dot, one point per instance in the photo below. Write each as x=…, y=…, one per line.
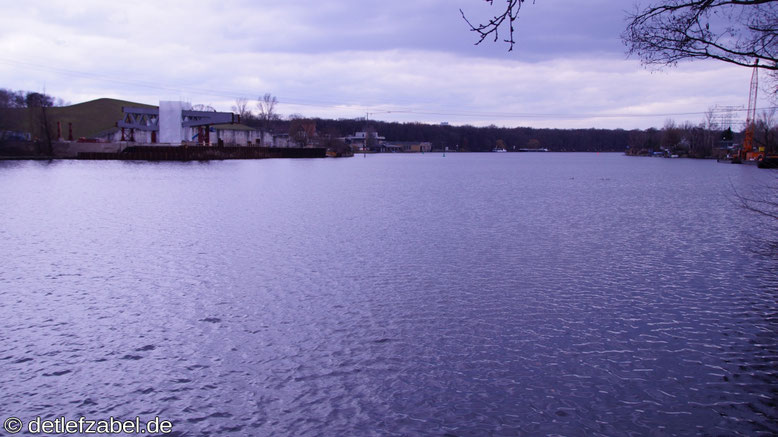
x=365, y=141
x=414, y=146
x=390, y=148
x=177, y=123
x=422, y=147
x=117, y=121
x=280, y=140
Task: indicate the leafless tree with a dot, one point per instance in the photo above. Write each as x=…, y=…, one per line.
x=765, y=204
x=241, y=107
x=204, y=108
x=301, y=130
x=332, y=140
x=710, y=129
x=671, y=135
x=11, y=98
x=766, y=131
x=267, y=113
x=740, y=32
x=762, y=200
x=10, y=112
x=709, y=121
x=761, y=203
x=28, y=115
x=38, y=105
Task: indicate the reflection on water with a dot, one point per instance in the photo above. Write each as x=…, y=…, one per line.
x=476, y=294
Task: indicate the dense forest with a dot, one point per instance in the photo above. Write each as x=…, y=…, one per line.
x=476, y=139
x=703, y=140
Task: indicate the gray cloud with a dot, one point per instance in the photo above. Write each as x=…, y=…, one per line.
x=405, y=60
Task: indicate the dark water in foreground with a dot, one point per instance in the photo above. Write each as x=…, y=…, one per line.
x=491, y=294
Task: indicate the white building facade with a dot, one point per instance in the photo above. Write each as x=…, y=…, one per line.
x=175, y=123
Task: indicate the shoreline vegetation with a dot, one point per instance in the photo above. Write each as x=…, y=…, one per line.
x=34, y=125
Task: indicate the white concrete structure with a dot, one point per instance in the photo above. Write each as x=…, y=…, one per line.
x=225, y=134
x=171, y=130
x=237, y=135
x=360, y=140
x=175, y=123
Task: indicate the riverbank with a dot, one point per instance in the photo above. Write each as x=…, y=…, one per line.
x=203, y=153
x=123, y=151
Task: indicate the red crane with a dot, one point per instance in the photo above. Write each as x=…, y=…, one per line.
x=748, y=153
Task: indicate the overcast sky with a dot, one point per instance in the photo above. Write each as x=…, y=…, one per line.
x=406, y=60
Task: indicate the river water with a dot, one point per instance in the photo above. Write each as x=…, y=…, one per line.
x=465, y=295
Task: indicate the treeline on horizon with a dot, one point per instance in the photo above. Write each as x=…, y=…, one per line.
x=704, y=140
x=474, y=139
x=686, y=139
x=27, y=99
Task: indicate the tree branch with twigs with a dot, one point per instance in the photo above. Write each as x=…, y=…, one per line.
x=763, y=203
x=508, y=17
x=267, y=116
x=738, y=32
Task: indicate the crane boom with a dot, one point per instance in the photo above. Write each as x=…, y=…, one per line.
x=748, y=141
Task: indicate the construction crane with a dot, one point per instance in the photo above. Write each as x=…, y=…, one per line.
x=749, y=153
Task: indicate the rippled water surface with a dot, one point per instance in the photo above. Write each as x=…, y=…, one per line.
x=466, y=295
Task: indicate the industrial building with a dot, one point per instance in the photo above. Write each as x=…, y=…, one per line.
x=176, y=123
x=122, y=122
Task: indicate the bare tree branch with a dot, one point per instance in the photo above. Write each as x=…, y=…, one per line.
x=267, y=113
x=241, y=106
x=492, y=27
x=765, y=206
x=739, y=32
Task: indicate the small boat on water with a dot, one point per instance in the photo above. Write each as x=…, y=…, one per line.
x=499, y=150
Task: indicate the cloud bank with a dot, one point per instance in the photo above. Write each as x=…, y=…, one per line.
x=400, y=60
